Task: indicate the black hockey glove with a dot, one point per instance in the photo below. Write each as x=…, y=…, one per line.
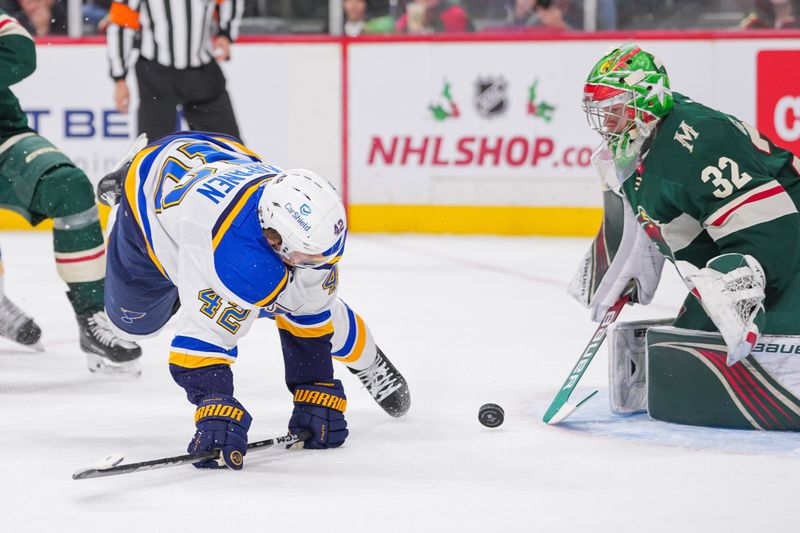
x=319, y=408
x=222, y=424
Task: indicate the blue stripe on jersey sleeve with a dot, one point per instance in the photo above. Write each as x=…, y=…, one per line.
x=190, y=343
x=244, y=261
x=310, y=320
x=351, y=334
x=141, y=200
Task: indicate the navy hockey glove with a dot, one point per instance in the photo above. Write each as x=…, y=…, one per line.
x=319, y=408
x=222, y=424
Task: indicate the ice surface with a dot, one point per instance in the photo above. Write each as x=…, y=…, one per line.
x=468, y=320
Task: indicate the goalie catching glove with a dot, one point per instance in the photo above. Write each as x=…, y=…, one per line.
x=731, y=290
x=222, y=424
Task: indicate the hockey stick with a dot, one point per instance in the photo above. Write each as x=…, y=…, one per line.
x=560, y=408
x=111, y=466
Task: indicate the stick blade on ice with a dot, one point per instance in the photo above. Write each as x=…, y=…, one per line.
x=566, y=410
x=106, y=463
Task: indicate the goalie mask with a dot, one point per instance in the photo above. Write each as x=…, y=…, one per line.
x=303, y=218
x=626, y=94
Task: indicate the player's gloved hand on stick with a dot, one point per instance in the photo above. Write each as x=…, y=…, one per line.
x=731, y=291
x=319, y=408
x=222, y=424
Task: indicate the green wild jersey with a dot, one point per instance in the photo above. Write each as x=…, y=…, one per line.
x=711, y=184
x=17, y=62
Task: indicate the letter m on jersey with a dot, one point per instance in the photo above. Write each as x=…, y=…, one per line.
x=685, y=135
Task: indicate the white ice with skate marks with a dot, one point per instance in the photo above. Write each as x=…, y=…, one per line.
x=468, y=320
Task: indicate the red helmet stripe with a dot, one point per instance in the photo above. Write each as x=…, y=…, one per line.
x=626, y=57
x=601, y=92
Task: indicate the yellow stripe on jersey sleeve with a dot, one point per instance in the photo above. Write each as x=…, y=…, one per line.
x=226, y=224
x=274, y=294
x=186, y=360
x=304, y=333
x=131, y=193
x=361, y=341
x=239, y=146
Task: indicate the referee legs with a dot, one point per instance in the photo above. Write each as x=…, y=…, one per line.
x=201, y=91
x=158, y=99
x=205, y=99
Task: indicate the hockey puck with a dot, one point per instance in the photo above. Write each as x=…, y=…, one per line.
x=491, y=415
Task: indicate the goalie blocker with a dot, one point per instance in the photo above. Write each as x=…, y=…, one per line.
x=680, y=376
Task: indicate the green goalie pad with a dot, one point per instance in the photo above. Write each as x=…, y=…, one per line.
x=688, y=381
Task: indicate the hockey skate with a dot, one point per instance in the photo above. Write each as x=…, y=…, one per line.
x=106, y=353
x=386, y=385
x=17, y=326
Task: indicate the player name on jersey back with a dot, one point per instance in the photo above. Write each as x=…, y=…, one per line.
x=215, y=187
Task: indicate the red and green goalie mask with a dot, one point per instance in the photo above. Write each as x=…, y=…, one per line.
x=626, y=94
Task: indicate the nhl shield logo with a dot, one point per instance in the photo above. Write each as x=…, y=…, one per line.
x=490, y=96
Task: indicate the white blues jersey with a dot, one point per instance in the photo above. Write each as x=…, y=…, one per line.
x=195, y=196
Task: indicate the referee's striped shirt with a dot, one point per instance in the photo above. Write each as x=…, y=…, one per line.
x=173, y=33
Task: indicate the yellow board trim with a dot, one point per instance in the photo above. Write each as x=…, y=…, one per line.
x=195, y=361
x=304, y=333
x=485, y=220
x=13, y=221
x=489, y=220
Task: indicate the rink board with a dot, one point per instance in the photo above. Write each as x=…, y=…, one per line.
x=505, y=150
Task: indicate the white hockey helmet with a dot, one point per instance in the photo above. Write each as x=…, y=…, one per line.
x=307, y=213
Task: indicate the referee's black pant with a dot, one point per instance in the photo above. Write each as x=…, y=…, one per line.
x=200, y=91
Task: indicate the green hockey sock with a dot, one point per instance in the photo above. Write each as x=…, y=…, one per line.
x=66, y=195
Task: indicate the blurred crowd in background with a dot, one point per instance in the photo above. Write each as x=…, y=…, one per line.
x=384, y=17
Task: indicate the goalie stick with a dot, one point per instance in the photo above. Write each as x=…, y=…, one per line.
x=561, y=408
x=111, y=466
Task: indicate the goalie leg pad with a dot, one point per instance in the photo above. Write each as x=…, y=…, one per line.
x=689, y=382
x=627, y=375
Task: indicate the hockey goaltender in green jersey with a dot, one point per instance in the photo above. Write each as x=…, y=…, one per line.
x=711, y=194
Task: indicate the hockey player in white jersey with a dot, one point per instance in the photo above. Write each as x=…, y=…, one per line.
x=202, y=224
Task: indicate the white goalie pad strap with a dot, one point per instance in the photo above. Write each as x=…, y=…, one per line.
x=636, y=259
x=83, y=266
x=627, y=369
